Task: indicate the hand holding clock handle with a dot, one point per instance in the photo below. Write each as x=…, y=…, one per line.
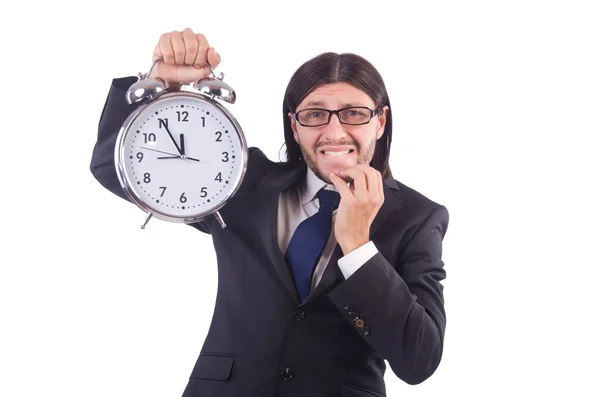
x=184, y=55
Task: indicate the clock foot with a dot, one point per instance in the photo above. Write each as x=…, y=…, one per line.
x=220, y=219
x=146, y=221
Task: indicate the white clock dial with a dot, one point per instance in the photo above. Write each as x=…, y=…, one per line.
x=183, y=156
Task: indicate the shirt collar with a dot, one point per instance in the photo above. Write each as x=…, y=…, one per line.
x=312, y=185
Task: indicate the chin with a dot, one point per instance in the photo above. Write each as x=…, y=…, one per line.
x=337, y=168
x=323, y=172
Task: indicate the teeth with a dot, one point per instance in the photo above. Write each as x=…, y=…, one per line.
x=345, y=152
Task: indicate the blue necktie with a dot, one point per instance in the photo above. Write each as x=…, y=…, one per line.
x=308, y=241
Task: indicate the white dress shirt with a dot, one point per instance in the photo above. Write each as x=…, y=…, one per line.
x=300, y=202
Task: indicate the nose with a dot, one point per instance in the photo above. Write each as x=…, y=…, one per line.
x=334, y=130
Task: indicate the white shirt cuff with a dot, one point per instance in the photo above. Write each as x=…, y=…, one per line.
x=354, y=260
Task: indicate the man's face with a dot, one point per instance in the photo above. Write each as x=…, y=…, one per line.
x=335, y=147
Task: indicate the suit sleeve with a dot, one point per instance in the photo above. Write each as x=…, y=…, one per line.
x=115, y=112
x=401, y=305
x=353, y=261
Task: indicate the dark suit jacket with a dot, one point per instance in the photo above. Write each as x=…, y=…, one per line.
x=262, y=341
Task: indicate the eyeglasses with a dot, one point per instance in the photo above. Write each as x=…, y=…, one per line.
x=314, y=117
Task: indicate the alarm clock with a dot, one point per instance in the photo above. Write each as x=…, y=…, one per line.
x=181, y=155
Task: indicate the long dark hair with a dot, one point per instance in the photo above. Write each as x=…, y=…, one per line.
x=329, y=68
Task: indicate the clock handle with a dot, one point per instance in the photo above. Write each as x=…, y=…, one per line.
x=220, y=219
x=220, y=77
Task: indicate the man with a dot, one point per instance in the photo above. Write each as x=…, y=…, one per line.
x=316, y=288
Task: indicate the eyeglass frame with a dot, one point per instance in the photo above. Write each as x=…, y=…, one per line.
x=337, y=113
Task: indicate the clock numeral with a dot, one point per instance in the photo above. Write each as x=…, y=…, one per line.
x=163, y=123
x=220, y=134
x=149, y=137
x=218, y=178
x=203, y=121
x=163, y=188
x=147, y=177
x=226, y=159
x=203, y=192
x=182, y=198
x=185, y=116
x=140, y=156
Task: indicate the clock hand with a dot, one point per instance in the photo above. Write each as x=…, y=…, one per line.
x=179, y=157
x=160, y=151
x=173, y=139
x=172, y=155
x=182, y=144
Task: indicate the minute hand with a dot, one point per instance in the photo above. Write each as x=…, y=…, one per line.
x=171, y=135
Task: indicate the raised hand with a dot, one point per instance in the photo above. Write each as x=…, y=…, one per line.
x=184, y=56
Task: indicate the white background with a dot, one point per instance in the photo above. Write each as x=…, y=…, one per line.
x=496, y=116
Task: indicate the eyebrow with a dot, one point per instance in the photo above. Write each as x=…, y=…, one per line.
x=322, y=103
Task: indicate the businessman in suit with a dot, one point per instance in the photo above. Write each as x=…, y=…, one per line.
x=328, y=265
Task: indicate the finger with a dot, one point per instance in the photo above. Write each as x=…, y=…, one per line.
x=378, y=191
x=213, y=57
x=156, y=53
x=374, y=184
x=360, y=181
x=166, y=49
x=203, y=47
x=342, y=187
x=370, y=173
x=379, y=181
x=191, y=46
x=178, y=47
x=375, y=180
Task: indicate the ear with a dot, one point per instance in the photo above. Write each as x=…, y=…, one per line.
x=294, y=126
x=381, y=121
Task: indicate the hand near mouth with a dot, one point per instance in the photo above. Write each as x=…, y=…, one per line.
x=359, y=204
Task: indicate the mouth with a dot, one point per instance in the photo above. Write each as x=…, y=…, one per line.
x=336, y=152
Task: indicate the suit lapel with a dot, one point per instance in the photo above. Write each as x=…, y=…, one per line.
x=331, y=277
x=391, y=202
x=270, y=187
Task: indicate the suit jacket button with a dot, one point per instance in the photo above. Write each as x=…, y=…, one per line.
x=360, y=323
x=350, y=310
x=366, y=330
x=299, y=314
x=287, y=374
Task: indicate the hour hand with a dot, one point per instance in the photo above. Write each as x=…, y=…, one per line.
x=182, y=144
x=178, y=157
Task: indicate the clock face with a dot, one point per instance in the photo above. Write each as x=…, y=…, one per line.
x=182, y=156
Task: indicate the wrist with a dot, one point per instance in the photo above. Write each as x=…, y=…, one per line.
x=350, y=245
